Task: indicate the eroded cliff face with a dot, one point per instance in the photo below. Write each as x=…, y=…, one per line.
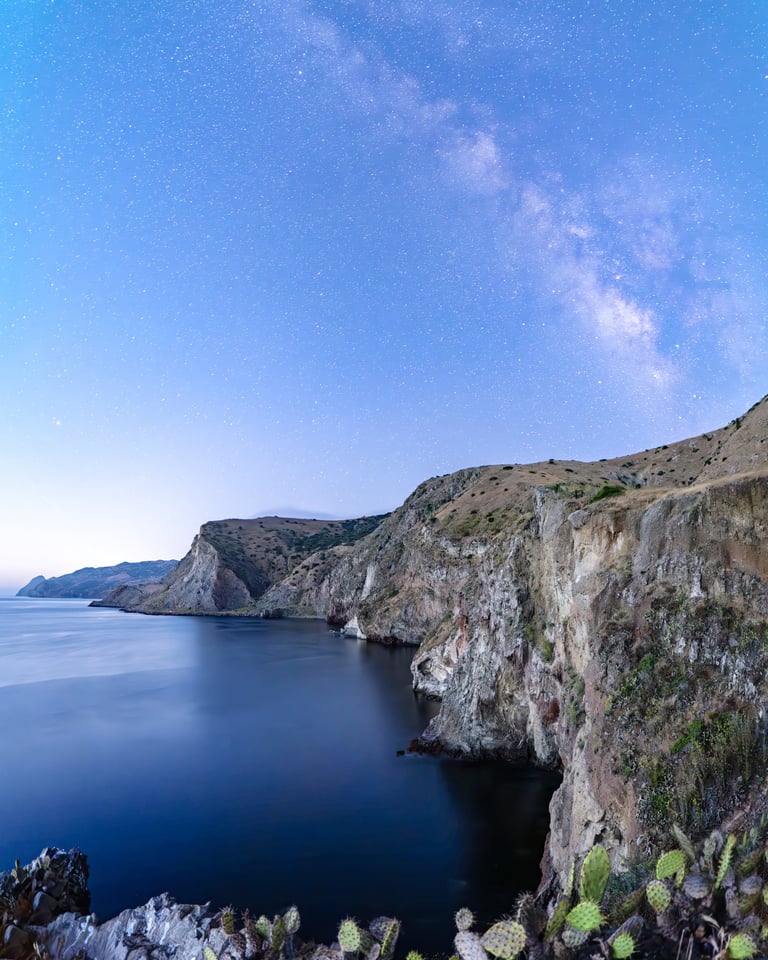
x=610, y=619
x=231, y=563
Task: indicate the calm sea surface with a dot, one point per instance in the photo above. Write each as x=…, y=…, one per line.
x=249, y=762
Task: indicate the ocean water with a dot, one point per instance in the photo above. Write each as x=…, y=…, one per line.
x=250, y=762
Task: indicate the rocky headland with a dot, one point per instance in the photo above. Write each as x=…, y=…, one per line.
x=232, y=563
x=609, y=619
x=90, y=582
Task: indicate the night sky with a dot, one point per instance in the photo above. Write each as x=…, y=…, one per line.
x=299, y=256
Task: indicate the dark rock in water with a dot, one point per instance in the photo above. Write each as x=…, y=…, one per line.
x=275, y=613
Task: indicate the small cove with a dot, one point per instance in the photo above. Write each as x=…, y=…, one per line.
x=250, y=762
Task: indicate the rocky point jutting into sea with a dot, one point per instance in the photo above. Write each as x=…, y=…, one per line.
x=608, y=618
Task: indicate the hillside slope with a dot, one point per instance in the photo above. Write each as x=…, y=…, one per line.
x=608, y=618
x=97, y=581
x=231, y=563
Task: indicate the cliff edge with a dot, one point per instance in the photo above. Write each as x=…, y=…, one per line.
x=607, y=618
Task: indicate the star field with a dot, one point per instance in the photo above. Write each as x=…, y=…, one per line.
x=303, y=255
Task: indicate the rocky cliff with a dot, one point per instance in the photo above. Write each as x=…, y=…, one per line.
x=231, y=564
x=608, y=618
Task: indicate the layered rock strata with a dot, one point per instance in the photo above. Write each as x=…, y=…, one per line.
x=231, y=564
x=609, y=619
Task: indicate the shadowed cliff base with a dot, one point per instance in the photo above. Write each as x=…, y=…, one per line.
x=608, y=618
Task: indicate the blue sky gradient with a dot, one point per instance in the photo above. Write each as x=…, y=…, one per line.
x=302, y=255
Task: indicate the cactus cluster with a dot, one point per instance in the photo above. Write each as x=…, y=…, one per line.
x=375, y=943
x=720, y=883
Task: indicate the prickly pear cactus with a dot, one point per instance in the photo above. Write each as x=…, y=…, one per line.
x=530, y=916
x=228, y=920
x=557, y=920
x=658, y=895
x=413, y=955
x=741, y=947
x=505, y=939
x=278, y=933
x=349, y=936
x=464, y=918
x=626, y=907
x=263, y=927
x=585, y=916
x=696, y=886
x=623, y=946
x=751, y=863
x=208, y=954
x=684, y=843
x=468, y=946
x=386, y=930
x=595, y=873
x=573, y=938
x=669, y=864
x=292, y=920
x=750, y=889
x=725, y=859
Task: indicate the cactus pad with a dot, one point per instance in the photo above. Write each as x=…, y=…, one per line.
x=658, y=895
x=696, y=886
x=573, y=938
x=413, y=955
x=595, y=873
x=669, y=864
x=557, y=920
x=751, y=886
x=585, y=916
x=725, y=859
x=505, y=939
x=741, y=947
x=684, y=843
x=292, y=920
x=263, y=927
x=464, y=918
x=349, y=936
x=468, y=946
x=208, y=954
x=623, y=946
x=386, y=930
x=228, y=920
x=278, y=933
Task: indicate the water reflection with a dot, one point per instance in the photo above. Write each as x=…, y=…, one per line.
x=251, y=762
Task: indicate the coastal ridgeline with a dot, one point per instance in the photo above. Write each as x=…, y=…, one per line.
x=232, y=563
x=609, y=619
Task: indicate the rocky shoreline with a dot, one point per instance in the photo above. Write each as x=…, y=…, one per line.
x=708, y=899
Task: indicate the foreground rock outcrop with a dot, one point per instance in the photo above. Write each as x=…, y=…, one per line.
x=609, y=619
x=43, y=914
